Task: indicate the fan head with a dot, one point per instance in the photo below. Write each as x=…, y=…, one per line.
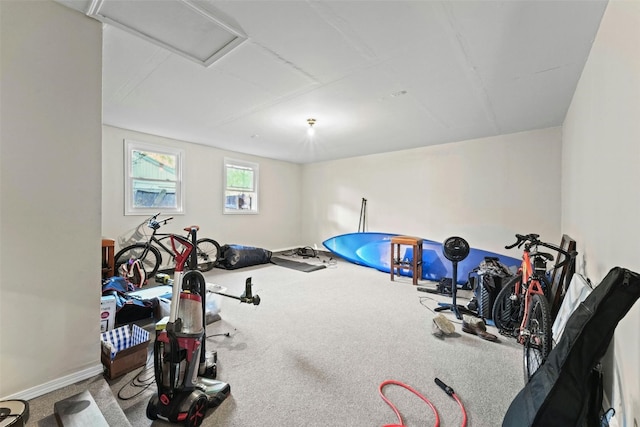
x=455, y=249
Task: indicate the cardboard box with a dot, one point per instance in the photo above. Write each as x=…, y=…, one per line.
x=107, y=313
x=123, y=350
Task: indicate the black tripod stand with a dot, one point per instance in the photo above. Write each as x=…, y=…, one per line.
x=455, y=249
x=362, y=225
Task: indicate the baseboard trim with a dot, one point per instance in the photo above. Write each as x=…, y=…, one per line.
x=56, y=384
x=284, y=249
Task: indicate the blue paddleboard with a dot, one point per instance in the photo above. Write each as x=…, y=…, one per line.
x=374, y=250
x=346, y=245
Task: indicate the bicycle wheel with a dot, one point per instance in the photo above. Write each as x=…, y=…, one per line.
x=538, y=344
x=149, y=255
x=506, y=307
x=208, y=254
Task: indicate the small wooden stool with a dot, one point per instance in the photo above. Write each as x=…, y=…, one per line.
x=415, y=265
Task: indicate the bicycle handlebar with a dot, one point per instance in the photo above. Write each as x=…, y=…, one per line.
x=533, y=240
x=154, y=224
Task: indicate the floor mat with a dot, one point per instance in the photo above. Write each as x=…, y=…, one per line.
x=296, y=265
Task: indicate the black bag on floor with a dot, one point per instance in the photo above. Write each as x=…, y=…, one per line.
x=128, y=308
x=238, y=256
x=488, y=279
x=566, y=389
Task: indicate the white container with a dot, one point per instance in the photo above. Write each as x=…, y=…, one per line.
x=213, y=302
x=107, y=313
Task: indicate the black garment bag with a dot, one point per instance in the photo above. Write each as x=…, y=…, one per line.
x=567, y=390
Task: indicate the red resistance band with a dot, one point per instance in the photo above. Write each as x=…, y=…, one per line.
x=442, y=385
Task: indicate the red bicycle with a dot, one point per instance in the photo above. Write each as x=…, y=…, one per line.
x=522, y=308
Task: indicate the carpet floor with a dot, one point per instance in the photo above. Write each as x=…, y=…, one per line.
x=318, y=347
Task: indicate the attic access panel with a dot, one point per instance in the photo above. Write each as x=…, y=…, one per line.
x=181, y=26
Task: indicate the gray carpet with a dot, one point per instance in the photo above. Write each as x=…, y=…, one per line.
x=316, y=349
x=41, y=408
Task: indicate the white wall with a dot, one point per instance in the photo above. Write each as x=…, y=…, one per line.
x=600, y=196
x=50, y=191
x=277, y=226
x=50, y=188
x=485, y=190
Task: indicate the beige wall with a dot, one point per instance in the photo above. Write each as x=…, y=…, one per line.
x=276, y=227
x=600, y=197
x=50, y=138
x=485, y=190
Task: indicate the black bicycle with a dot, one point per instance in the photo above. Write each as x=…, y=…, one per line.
x=208, y=250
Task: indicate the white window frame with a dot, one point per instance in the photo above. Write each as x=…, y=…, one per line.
x=129, y=208
x=256, y=179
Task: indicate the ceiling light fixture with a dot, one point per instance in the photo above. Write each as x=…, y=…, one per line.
x=311, y=122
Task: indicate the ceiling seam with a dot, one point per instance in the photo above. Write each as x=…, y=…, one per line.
x=344, y=29
x=159, y=57
x=287, y=62
x=471, y=69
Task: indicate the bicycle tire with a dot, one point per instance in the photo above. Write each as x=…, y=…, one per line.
x=506, y=307
x=208, y=251
x=151, y=258
x=538, y=344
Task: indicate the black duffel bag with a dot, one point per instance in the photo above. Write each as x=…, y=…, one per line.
x=238, y=256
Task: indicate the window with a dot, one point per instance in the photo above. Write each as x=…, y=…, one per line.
x=240, y=187
x=153, y=181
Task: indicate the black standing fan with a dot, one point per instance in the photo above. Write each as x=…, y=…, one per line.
x=455, y=249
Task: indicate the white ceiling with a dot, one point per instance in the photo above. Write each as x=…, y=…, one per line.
x=377, y=75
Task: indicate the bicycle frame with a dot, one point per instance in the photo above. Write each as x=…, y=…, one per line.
x=155, y=225
x=149, y=251
x=164, y=236
x=531, y=285
x=531, y=282
x=158, y=243
x=522, y=307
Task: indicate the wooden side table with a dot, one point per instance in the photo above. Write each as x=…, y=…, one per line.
x=108, y=262
x=415, y=264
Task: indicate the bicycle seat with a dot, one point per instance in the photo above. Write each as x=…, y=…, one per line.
x=546, y=256
x=188, y=229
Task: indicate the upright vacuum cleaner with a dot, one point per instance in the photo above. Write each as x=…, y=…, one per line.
x=185, y=375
